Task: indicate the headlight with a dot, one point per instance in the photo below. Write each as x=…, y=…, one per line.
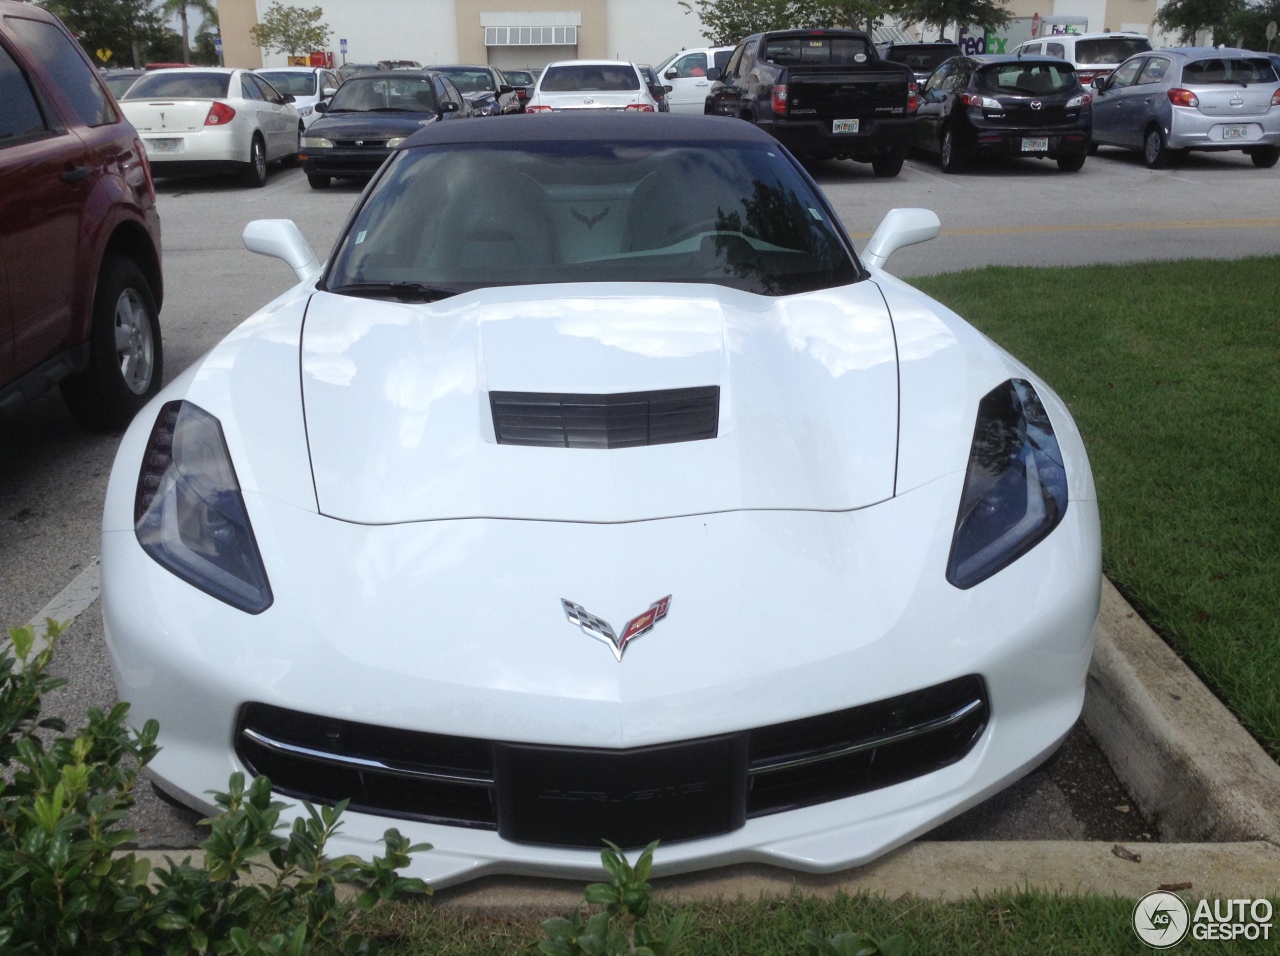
x=189, y=514
x=305, y=111
x=1015, y=491
x=393, y=143
x=316, y=142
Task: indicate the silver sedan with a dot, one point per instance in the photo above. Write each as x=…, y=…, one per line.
x=1164, y=102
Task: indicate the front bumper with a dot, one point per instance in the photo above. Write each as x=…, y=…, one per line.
x=456, y=627
x=340, y=162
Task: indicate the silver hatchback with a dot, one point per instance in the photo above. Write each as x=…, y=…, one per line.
x=1165, y=102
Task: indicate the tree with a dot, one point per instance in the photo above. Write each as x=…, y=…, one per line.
x=291, y=30
x=128, y=28
x=987, y=14
x=726, y=22
x=179, y=9
x=1248, y=28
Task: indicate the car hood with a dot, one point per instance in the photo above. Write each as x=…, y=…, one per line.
x=400, y=427
x=366, y=125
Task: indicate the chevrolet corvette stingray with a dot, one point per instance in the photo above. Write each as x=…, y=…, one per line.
x=595, y=488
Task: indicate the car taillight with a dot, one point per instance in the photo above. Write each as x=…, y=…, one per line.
x=537, y=109
x=1086, y=77
x=986, y=102
x=1275, y=98
x=639, y=108
x=146, y=167
x=1181, y=97
x=1084, y=99
x=220, y=114
x=780, y=99
x=913, y=98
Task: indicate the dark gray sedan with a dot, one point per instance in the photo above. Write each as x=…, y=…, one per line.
x=1165, y=102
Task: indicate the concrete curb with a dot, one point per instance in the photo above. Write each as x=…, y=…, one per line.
x=1180, y=753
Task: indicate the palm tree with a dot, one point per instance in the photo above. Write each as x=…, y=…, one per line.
x=179, y=8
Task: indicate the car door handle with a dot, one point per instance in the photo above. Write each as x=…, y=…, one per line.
x=75, y=174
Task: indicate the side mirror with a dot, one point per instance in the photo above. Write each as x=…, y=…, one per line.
x=504, y=88
x=900, y=227
x=668, y=88
x=671, y=74
x=448, y=106
x=327, y=92
x=657, y=92
x=322, y=107
x=713, y=74
x=1099, y=82
x=281, y=239
x=287, y=98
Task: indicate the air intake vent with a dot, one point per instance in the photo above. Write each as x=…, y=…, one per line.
x=621, y=420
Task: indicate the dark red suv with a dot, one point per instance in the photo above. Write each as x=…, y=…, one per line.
x=80, y=280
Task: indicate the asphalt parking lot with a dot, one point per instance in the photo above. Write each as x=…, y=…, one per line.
x=1022, y=212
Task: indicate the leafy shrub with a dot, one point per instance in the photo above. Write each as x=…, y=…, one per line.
x=65, y=888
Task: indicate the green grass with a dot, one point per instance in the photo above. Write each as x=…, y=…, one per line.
x=1172, y=371
x=1007, y=924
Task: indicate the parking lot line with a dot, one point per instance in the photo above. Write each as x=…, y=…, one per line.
x=70, y=603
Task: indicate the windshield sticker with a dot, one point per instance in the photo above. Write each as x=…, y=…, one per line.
x=815, y=214
x=360, y=236
x=859, y=58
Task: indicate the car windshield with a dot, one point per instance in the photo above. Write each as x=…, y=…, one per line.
x=295, y=84
x=922, y=61
x=594, y=77
x=184, y=84
x=518, y=77
x=1027, y=78
x=452, y=218
x=1237, y=71
x=411, y=94
x=817, y=49
x=119, y=83
x=1109, y=49
x=471, y=81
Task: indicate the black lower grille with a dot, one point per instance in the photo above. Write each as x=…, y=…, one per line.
x=577, y=797
x=619, y=420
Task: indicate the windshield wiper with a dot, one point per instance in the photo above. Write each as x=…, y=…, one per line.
x=400, y=291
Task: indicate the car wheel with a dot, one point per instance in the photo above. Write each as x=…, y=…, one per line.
x=1155, y=150
x=125, y=351
x=1071, y=162
x=886, y=167
x=949, y=153
x=1264, y=157
x=318, y=182
x=1093, y=149
x=255, y=176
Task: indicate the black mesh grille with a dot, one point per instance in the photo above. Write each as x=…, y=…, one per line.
x=621, y=420
x=577, y=797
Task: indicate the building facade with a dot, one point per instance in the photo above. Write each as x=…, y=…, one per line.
x=511, y=34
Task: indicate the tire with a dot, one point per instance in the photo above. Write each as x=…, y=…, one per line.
x=1264, y=157
x=948, y=155
x=1155, y=151
x=1093, y=149
x=1071, y=162
x=255, y=174
x=126, y=356
x=318, y=182
x=886, y=167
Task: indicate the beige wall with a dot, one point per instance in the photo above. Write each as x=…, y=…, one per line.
x=235, y=19
x=591, y=34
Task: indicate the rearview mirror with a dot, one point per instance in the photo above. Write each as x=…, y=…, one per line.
x=899, y=228
x=281, y=239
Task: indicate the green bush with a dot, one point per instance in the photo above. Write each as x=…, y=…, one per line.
x=66, y=888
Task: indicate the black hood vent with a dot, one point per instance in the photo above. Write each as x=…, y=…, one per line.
x=620, y=420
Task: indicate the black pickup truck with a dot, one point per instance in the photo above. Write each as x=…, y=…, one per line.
x=823, y=93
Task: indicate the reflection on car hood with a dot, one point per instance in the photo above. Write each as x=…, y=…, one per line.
x=369, y=125
x=400, y=428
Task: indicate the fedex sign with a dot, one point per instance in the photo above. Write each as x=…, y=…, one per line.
x=978, y=44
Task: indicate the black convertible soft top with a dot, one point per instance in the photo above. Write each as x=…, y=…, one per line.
x=601, y=126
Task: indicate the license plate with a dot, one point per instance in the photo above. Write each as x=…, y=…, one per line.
x=163, y=145
x=1035, y=144
x=1235, y=132
x=844, y=126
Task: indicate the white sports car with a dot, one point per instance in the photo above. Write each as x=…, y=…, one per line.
x=594, y=489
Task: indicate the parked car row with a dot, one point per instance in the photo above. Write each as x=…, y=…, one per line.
x=1061, y=97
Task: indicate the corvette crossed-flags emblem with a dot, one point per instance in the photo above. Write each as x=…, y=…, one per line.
x=601, y=630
